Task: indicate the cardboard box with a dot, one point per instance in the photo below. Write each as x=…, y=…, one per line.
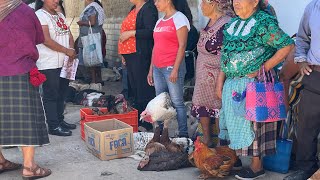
x=109, y=139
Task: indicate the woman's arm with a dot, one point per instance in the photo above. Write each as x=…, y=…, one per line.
x=220, y=82
x=280, y=55
x=150, y=74
x=92, y=20
x=182, y=35
x=54, y=45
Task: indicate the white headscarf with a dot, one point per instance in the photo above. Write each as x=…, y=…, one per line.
x=101, y=14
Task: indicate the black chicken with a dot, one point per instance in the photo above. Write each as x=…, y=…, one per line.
x=162, y=154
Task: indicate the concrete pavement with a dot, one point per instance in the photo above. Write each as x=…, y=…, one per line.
x=68, y=158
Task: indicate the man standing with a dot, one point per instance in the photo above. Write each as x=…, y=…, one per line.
x=308, y=58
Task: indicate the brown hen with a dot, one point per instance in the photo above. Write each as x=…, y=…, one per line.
x=212, y=162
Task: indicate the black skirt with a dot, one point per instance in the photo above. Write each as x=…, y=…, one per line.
x=22, y=120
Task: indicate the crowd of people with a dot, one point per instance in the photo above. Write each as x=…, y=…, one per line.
x=241, y=41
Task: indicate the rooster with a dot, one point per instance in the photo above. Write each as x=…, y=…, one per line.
x=159, y=109
x=212, y=162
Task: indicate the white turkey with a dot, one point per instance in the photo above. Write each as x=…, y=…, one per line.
x=159, y=109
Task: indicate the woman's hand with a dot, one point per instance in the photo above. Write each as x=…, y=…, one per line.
x=219, y=92
x=150, y=78
x=123, y=60
x=173, y=76
x=257, y=73
x=71, y=53
x=305, y=69
x=126, y=35
x=80, y=23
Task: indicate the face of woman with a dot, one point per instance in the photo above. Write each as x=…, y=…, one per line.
x=162, y=4
x=244, y=8
x=207, y=8
x=51, y=4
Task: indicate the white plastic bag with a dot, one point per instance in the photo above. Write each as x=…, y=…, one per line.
x=92, y=52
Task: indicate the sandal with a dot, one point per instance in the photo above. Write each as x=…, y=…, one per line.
x=9, y=166
x=43, y=173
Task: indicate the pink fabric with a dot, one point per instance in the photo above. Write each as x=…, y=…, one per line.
x=166, y=44
x=20, y=33
x=265, y=102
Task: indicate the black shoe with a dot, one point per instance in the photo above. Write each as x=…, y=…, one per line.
x=299, y=175
x=67, y=125
x=248, y=174
x=237, y=165
x=60, y=131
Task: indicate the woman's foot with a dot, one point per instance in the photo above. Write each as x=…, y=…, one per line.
x=6, y=166
x=35, y=172
x=249, y=174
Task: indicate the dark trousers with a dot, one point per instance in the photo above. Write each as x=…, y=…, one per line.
x=138, y=69
x=308, y=127
x=54, y=94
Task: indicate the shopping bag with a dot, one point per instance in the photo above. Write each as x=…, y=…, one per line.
x=280, y=162
x=265, y=100
x=92, y=52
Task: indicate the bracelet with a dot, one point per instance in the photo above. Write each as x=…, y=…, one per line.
x=72, y=48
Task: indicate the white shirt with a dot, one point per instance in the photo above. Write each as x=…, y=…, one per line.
x=48, y=58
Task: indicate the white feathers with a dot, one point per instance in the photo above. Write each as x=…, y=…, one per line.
x=160, y=108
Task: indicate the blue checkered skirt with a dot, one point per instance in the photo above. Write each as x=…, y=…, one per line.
x=22, y=120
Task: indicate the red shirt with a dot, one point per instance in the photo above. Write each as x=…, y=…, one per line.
x=166, y=42
x=128, y=24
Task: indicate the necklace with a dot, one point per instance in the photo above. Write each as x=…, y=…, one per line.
x=58, y=20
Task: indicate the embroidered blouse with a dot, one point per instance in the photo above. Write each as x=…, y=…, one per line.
x=128, y=24
x=251, y=42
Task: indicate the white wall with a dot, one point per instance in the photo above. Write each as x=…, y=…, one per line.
x=289, y=13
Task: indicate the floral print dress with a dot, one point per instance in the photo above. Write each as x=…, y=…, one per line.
x=205, y=102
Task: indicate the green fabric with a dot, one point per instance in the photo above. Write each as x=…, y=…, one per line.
x=232, y=126
x=246, y=49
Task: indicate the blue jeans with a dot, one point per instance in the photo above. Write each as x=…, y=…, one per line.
x=162, y=84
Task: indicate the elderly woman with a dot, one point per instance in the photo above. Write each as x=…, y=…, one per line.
x=135, y=46
x=22, y=121
x=206, y=104
x=58, y=44
x=93, y=14
x=252, y=41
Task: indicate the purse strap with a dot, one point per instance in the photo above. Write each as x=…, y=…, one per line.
x=90, y=28
x=265, y=77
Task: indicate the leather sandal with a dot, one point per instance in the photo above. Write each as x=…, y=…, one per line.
x=43, y=172
x=9, y=166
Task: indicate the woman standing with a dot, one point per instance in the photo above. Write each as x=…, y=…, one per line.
x=252, y=41
x=58, y=44
x=168, y=68
x=93, y=14
x=22, y=121
x=206, y=104
x=135, y=46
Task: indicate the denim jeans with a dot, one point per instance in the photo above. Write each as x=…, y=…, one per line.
x=162, y=84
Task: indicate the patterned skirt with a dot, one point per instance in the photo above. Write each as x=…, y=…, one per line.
x=246, y=137
x=264, y=142
x=22, y=120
